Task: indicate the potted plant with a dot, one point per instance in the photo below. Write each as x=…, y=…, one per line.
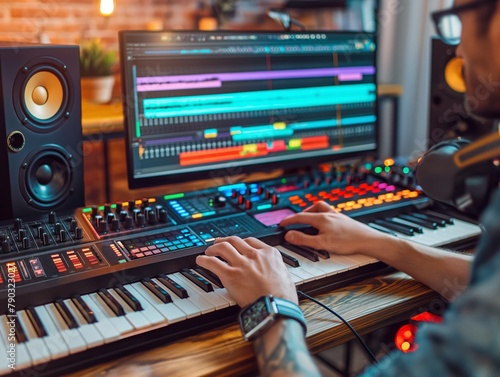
x=96, y=71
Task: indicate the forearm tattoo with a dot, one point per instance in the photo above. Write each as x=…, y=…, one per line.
x=285, y=353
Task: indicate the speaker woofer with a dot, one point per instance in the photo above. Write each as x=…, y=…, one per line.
x=47, y=179
x=43, y=89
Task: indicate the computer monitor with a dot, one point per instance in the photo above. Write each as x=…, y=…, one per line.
x=210, y=104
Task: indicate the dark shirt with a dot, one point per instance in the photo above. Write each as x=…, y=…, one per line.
x=467, y=343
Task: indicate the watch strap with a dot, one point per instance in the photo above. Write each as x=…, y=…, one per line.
x=288, y=309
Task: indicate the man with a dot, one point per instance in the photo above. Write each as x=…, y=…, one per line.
x=468, y=342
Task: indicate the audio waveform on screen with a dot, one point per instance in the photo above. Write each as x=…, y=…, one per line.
x=214, y=80
x=258, y=100
x=252, y=150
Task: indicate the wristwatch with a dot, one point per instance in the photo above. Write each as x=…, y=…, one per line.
x=259, y=316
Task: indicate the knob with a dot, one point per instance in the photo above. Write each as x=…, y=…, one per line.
x=241, y=199
x=135, y=213
x=97, y=220
x=21, y=234
x=123, y=215
x=63, y=236
x=107, y=209
x=26, y=243
x=103, y=227
x=128, y=223
x=72, y=225
x=152, y=217
x=219, y=201
x=110, y=217
x=234, y=194
x=267, y=194
x=317, y=180
x=57, y=229
x=141, y=220
x=95, y=210
x=260, y=190
x=275, y=199
x=115, y=225
x=248, y=191
x=45, y=239
x=78, y=233
x=147, y=211
x=131, y=205
x=145, y=202
x=306, y=183
x=158, y=209
x=5, y=246
x=248, y=204
x=328, y=179
x=163, y=216
x=52, y=217
x=118, y=208
x=40, y=232
x=18, y=224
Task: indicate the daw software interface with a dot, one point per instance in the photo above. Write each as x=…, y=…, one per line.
x=199, y=102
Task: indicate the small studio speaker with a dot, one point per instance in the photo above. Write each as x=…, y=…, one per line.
x=448, y=118
x=41, y=160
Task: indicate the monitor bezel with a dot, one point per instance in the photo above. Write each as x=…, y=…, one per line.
x=234, y=169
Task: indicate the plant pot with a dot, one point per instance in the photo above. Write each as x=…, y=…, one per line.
x=97, y=89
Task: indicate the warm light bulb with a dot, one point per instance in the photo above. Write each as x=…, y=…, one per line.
x=107, y=7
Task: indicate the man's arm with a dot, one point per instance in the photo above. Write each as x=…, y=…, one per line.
x=444, y=271
x=249, y=269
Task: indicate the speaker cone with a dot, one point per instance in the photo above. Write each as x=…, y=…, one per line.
x=47, y=179
x=43, y=91
x=453, y=74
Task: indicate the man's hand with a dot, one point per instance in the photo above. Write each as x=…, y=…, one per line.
x=253, y=269
x=337, y=233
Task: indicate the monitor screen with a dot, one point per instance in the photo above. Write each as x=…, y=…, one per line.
x=210, y=104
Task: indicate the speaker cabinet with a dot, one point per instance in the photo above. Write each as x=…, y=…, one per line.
x=41, y=160
x=448, y=118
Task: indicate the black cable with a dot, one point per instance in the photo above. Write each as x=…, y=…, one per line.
x=363, y=344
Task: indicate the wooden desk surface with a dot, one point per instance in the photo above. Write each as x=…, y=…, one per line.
x=368, y=305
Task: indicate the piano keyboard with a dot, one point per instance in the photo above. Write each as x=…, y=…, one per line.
x=69, y=331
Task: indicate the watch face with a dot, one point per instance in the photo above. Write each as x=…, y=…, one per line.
x=254, y=314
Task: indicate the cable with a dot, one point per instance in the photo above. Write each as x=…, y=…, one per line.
x=370, y=354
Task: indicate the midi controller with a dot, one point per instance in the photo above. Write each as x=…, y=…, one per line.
x=126, y=271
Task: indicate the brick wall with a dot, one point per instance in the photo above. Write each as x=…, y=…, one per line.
x=68, y=22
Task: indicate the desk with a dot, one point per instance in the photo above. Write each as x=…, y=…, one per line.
x=367, y=305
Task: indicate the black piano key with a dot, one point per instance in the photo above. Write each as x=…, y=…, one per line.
x=440, y=222
x=197, y=279
x=84, y=309
x=173, y=286
x=111, y=302
x=381, y=229
x=36, y=322
x=156, y=290
x=425, y=223
x=214, y=279
x=20, y=333
x=398, y=228
x=129, y=298
x=288, y=259
x=302, y=251
x=449, y=220
x=66, y=314
x=414, y=227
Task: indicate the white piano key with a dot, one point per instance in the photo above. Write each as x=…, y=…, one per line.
x=217, y=301
x=22, y=356
x=54, y=340
x=149, y=312
x=88, y=331
x=108, y=323
x=4, y=362
x=224, y=293
x=295, y=278
x=76, y=343
x=36, y=346
x=306, y=265
x=204, y=305
x=184, y=304
x=137, y=319
x=167, y=311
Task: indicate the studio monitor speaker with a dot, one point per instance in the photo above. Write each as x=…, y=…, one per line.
x=41, y=161
x=448, y=117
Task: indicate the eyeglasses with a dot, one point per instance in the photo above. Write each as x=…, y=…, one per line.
x=448, y=24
